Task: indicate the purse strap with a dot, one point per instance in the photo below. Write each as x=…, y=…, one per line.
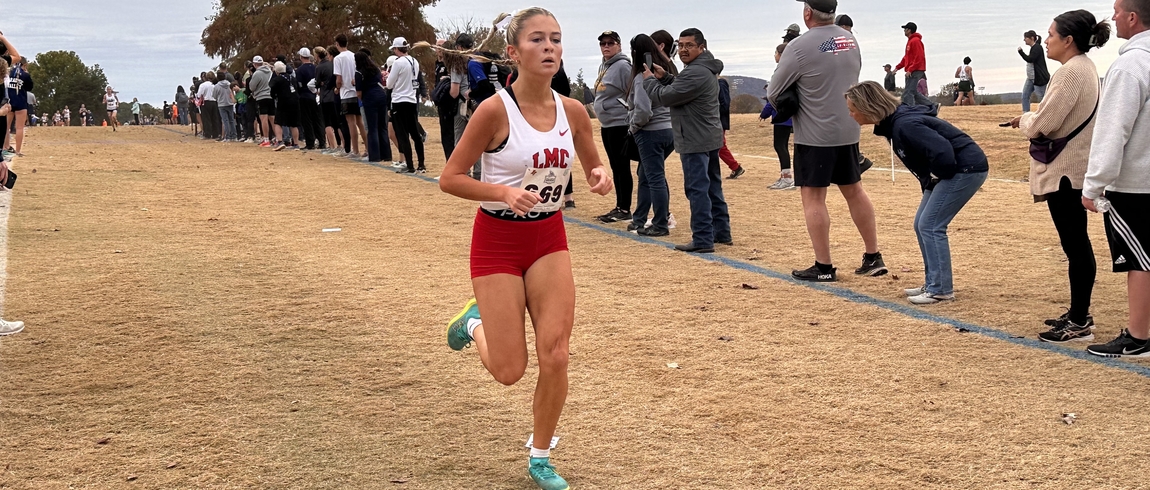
x=1084, y=123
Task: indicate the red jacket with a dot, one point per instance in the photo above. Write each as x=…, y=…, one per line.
x=915, y=58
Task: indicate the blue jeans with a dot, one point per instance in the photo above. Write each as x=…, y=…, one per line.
x=654, y=148
x=1029, y=88
x=375, y=123
x=910, y=94
x=228, y=121
x=939, y=206
x=703, y=183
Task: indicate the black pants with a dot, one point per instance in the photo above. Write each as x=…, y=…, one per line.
x=614, y=139
x=211, y=114
x=1070, y=221
x=251, y=113
x=783, y=146
x=406, y=123
x=311, y=127
x=447, y=130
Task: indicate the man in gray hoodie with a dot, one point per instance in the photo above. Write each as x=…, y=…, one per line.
x=693, y=97
x=1118, y=175
x=610, y=92
x=260, y=86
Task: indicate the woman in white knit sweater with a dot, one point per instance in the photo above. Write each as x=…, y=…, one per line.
x=1071, y=100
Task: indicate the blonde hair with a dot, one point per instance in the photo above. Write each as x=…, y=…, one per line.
x=511, y=37
x=872, y=101
x=320, y=52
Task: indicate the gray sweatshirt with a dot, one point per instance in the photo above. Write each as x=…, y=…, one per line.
x=644, y=115
x=1120, y=152
x=223, y=94
x=824, y=62
x=260, y=84
x=693, y=97
x=610, y=89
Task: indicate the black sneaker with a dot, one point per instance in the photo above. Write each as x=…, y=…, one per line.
x=650, y=231
x=736, y=173
x=405, y=170
x=1066, y=317
x=864, y=164
x=1123, y=346
x=1065, y=330
x=872, y=268
x=634, y=227
x=569, y=205
x=616, y=215
x=421, y=170
x=694, y=249
x=813, y=274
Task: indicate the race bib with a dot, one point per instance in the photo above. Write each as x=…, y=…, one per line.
x=549, y=183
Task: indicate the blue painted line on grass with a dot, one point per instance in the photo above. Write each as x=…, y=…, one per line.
x=856, y=297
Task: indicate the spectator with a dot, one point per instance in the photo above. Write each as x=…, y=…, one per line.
x=651, y=127
x=260, y=88
x=822, y=63
x=693, y=97
x=335, y=125
x=1070, y=110
x=1118, y=176
x=166, y=109
x=950, y=168
x=403, y=80
x=309, y=117
x=226, y=105
x=445, y=104
x=239, y=91
x=19, y=84
x=888, y=82
x=914, y=61
x=182, y=105
x=1037, y=76
x=845, y=22
x=782, y=136
x=368, y=78
x=194, y=102
x=210, y=110
x=136, y=110
x=965, y=76
x=610, y=90
x=725, y=117
x=344, y=69
x=457, y=65
x=791, y=33
x=287, y=108
x=32, y=105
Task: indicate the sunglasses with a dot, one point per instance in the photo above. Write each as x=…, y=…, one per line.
x=604, y=44
x=687, y=45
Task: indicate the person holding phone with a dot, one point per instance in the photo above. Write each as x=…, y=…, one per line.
x=650, y=125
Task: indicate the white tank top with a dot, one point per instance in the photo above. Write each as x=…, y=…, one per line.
x=532, y=160
x=962, y=76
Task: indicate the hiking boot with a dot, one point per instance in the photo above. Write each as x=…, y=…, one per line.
x=457, y=337
x=1123, y=346
x=872, y=268
x=813, y=274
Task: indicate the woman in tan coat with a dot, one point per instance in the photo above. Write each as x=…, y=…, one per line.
x=1071, y=100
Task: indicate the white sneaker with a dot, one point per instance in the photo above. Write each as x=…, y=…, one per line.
x=398, y=164
x=671, y=221
x=9, y=328
x=930, y=299
x=915, y=291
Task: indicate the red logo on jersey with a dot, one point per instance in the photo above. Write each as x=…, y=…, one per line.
x=553, y=158
x=564, y=132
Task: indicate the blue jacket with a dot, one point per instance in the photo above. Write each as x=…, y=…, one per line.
x=930, y=147
x=769, y=111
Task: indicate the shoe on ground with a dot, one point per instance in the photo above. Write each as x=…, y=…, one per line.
x=457, y=337
x=1065, y=317
x=615, y=215
x=736, y=173
x=651, y=232
x=9, y=328
x=930, y=298
x=1122, y=346
x=544, y=474
x=265, y=144
x=864, y=164
x=398, y=164
x=813, y=274
x=280, y=147
x=915, y=291
x=728, y=242
x=872, y=268
x=671, y=223
x=421, y=170
x=694, y=249
x=784, y=183
x=569, y=205
x=1065, y=330
x=405, y=170
x=634, y=227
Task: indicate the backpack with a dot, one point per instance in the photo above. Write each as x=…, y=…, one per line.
x=441, y=94
x=496, y=75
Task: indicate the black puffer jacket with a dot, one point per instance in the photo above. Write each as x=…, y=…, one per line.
x=931, y=148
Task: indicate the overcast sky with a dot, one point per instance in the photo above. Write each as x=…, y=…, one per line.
x=148, y=47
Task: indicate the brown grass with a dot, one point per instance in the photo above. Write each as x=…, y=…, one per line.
x=189, y=315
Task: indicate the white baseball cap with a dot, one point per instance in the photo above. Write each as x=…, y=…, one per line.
x=399, y=42
x=390, y=60
x=258, y=59
x=305, y=53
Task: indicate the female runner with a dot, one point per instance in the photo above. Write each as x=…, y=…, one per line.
x=527, y=137
x=111, y=103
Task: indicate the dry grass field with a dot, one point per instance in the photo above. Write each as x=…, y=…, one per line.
x=190, y=326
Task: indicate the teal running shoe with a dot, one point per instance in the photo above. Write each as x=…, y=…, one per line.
x=457, y=337
x=544, y=475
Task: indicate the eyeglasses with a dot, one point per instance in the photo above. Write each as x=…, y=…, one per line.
x=603, y=44
x=688, y=45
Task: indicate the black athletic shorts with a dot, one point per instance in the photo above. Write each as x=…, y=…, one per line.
x=287, y=113
x=267, y=107
x=349, y=107
x=331, y=114
x=1128, y=231
x=821, y=166
x=965, y=86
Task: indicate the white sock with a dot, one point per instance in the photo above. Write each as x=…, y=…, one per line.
x=540, y=453
x=471, y=325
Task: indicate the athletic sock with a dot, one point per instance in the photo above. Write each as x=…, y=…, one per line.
x=540, y=453
x=472, y=324
x=824, y=268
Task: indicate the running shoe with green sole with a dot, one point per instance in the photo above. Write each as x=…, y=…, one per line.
x=544, y=475
x=457, y=337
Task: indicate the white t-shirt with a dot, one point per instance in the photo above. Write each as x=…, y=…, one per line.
x=344, y=66
x=206, y=91
x=402, y=80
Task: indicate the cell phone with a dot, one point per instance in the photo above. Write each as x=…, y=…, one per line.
x=11, y=179
x=1004, y=125
x=647, y=61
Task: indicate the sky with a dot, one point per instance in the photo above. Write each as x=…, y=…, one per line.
x=148, y=47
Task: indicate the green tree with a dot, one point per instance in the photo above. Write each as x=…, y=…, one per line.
x=62, y=79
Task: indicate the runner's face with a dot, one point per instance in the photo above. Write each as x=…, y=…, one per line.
x=539, y=49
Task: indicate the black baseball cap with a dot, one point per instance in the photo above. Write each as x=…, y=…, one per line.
x=912, y=26
x=844, y=20
x=827, y=6
x=611, y=34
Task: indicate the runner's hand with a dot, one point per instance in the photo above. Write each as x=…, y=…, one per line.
x=600, y=182
x=520, y=201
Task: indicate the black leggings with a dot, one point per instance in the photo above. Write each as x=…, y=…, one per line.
x=1070, y=221
x=614, y=141
x=406, y=123
x=783, y=145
